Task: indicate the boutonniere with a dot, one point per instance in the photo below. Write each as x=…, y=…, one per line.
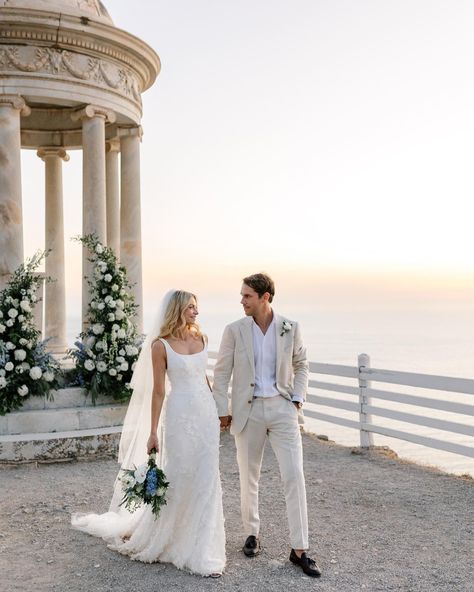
x=285, y=328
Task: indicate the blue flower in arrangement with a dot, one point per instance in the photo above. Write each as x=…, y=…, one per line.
x=151, y=482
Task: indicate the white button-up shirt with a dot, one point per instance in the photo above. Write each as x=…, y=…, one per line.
x=264, y=354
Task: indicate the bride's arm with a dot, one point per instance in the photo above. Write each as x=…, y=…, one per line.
x=158, y=356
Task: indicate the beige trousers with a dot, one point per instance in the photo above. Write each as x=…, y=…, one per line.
x=276, y=417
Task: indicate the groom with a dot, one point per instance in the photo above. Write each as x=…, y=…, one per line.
x=266, y=358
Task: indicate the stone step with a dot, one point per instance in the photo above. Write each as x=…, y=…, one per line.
x=53, y=420
x=65, y=397
x=60, y=445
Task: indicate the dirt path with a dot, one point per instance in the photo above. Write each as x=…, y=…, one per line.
x=376, y=524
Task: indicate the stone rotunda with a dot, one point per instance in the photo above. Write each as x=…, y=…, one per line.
x=70, y=80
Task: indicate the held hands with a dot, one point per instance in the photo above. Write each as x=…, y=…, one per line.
x=225, y=422
x=152, y=443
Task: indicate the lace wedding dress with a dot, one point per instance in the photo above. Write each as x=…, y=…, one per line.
x=189, y=531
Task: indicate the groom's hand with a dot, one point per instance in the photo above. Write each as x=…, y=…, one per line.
x=225, y=421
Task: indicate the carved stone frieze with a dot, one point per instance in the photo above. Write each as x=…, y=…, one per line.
x=67, y=64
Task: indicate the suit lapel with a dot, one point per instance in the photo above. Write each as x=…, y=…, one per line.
x=247, y=337
x=279, y=341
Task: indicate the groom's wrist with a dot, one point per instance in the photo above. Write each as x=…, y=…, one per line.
x=298, y=400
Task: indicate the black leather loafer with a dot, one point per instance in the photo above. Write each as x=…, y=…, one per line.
x=307, y=564
x=251, y=547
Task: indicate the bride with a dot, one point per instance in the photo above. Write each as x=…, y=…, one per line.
x=184, y=429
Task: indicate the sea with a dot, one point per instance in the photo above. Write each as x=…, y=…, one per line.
x=437, y=341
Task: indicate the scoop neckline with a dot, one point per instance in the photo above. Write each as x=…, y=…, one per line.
x=179, y=354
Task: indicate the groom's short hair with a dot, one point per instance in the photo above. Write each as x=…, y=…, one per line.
x=261, y=283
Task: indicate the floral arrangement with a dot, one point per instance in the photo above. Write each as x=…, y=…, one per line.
x=145, y=484
x=286, y=326
x=107, y=351
x=26, y=368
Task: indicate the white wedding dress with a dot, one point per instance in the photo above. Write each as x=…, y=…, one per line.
x=189, y=531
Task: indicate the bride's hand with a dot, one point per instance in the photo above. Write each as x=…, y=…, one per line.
x=152, y=443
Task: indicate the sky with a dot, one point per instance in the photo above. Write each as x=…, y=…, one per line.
x=327, y=142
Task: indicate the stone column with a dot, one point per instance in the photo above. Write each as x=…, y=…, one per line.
x=93, y=184
x=112, y=149
x=11, y=219
x=55, y=291
x=130, y=214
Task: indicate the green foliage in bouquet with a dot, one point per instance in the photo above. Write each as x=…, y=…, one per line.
x=26, y=368
x=106, y=353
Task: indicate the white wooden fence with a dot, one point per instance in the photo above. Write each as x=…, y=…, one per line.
x=365, y=406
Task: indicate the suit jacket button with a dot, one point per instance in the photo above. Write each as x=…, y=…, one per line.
x=249, y=401
x=252, y=384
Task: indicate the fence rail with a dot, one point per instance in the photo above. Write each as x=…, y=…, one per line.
x=365, y=410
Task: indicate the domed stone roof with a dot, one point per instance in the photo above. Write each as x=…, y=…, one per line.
x=92, y=9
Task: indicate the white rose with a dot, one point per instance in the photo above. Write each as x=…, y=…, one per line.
x=48, y=375
x=2, y=372
x=9, y=345
x=99, y=249
x=111, y=303
x=124, y=366
x=107, y=277
x=23, y=341
x=98, y=328
x=111, y=317
x=12, y=313
x=108, y=298
x=34, y=298
x=20, y=355
x=122, y=292
x=113, y=372
x=9, y=366
x=101, y=366
x=1, y=314
x=21, y=318
x=101, y=306
x=25, y=366
x=119, y=377
x=140, y=473
x=25, y=305
x=89, y=365
x=119, y=314
x=2, y=328
x=36, y=373
x=115, y=288
x=121, y=334
x=133, y=366
x=120, y=303
x=3, y=382
x=129, y=350
x=9, y=323
x=90, y=341
x=101, y=345
x=22, y=390
x=120, y=359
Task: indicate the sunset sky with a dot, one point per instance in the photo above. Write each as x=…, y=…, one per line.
x=330, y=143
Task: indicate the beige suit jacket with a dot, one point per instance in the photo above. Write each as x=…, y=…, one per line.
x=236, y=361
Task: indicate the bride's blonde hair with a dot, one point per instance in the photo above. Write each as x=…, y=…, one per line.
x=174, y=323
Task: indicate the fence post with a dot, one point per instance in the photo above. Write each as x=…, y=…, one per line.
x=366, y=437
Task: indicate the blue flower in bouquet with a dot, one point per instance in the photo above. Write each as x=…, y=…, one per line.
x=151, y=482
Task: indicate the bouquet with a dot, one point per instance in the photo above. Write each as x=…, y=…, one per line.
x=145, y=484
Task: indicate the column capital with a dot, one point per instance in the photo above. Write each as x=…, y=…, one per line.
x=52, y=151
x=91, y=111
x=135, y=131
x=112, y=145
x=16, y=102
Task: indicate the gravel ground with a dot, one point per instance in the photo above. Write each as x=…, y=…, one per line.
x=376, y=523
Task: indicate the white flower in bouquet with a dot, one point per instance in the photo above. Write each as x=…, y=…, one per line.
x=23, y=341
x=130, y=349
x=20, y=355
x=9, y=366
x=111, y=303
x=48, y=375
x=115, y=327
x=29, y=345
x=107, y=299
x=119, y=377
x=121, y=334
x=9, y=323
x=133, y=366
x=101, y=306
x=89, y=365
x=3, y=382
x=93, y=304
x=98, y=328
x=111, y=317
x=22, y=390
x=122, y=292
x=34, y=298
x=36, y=373
x=119, y=359
x=129, y=480
x=119, y=314
x=107, y=277
x=21, y=318
x=120, y=303
x=99, y=249
x=1, y=314
x=2, y=372
x=124, y=366
x=113, y=372
x=101, y=366
x=12, y=313
x=25, y=305
x=140, y=473
x=25, y=365
x=2, y=328
x=9, y=345
x=115, y=288
x=101, y=345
